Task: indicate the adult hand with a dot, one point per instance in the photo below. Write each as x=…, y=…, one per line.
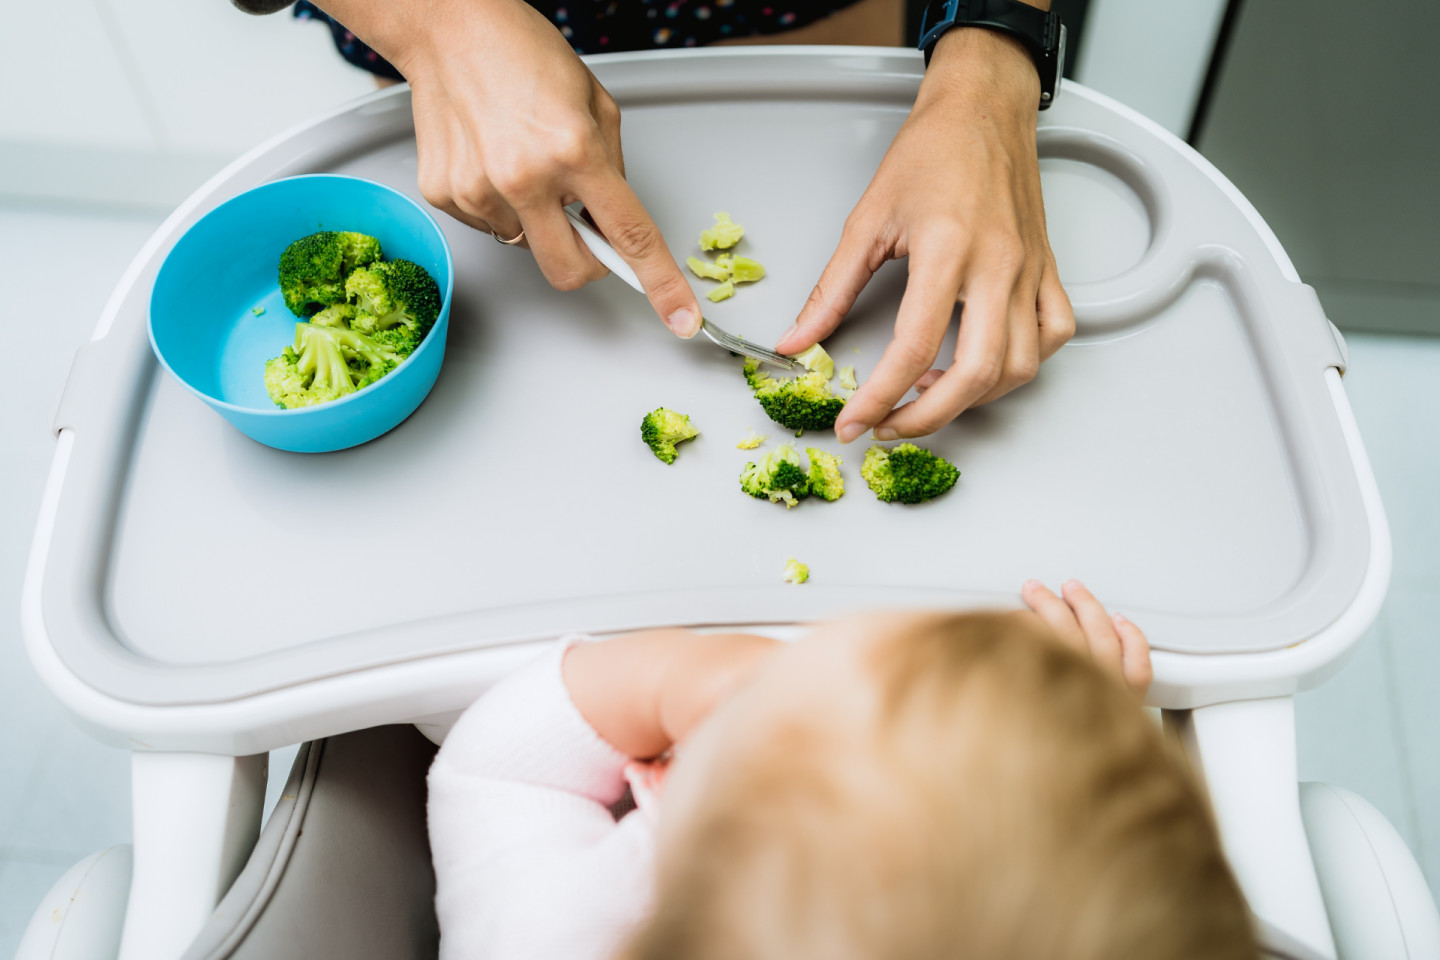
x=510, y=127
x=1078, y=619
x=958, y=193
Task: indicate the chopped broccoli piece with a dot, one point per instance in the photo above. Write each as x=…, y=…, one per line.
x=847, y=378
x=338, y=315
x=816, y=360
x=801, y=403
x=723, y=235
x=258, y=311
x=326, y=363
x=745, y=270
x=825, y=479
x=313, y=269
x=710, y=271
x=393, y=293
x=776, y=476
x=751, y=441
x=907, y=473
x=754, y=375
x=662, y=428
x=723, y=292
x=795, y=571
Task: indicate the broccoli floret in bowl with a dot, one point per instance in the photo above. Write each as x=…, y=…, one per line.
x=313, y=269
x=393, y=293
x=907, y=473
x=662, y=429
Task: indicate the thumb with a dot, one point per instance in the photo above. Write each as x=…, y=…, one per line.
x=854, y=262
x=623, y=220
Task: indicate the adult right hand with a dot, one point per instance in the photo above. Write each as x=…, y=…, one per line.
x=511, y=126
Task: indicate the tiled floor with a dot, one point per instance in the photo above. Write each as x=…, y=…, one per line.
x=1372, y=729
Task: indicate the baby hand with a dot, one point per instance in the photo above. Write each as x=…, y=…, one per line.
x=1080, y=622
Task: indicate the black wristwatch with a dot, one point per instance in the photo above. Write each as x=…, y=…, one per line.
x=1040, y=31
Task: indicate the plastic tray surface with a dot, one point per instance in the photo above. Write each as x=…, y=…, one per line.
x=1181, y=455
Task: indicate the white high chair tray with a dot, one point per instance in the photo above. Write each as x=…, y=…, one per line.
x=1183, y=455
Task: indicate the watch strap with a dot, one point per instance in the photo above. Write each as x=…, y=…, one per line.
x=1039, y=31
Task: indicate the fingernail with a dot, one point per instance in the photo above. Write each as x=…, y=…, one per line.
x=683, y=323
x=1119, y=618
x=1069, y=584
x=1029, y=585
x=786, y=335
x=849, y=432
x=885, y=433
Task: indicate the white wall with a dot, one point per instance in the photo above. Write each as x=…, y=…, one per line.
x=1150, y=54
x=136, y=102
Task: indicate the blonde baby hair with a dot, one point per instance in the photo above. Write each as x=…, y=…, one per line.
x=1005, y=799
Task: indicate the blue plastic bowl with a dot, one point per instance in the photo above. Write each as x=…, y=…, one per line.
x=205, y=331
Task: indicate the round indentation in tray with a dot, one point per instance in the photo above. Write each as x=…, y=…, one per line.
x=1099, y=226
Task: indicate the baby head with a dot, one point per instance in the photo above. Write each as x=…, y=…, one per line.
x=937, y=786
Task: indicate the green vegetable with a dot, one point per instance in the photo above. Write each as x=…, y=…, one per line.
x=723, y=235
x=394, y=293
x=339, y=315
x=711, y=271
x=847, y=378
x=815, y=359
x=723, y=292
x=751, y=441
x=801, y=403
x=313, y=269
x=326, y=363
x=907, y=473
x=745, y=270
x=258, y=311
x=776, y=476
x=662, y=428
x=795, y=571
x=824, y=477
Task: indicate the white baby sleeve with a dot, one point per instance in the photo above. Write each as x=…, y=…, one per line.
x=529, y=863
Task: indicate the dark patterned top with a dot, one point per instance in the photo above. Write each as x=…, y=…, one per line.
x=609, y=26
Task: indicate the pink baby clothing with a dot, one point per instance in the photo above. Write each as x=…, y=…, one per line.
x=529, y=862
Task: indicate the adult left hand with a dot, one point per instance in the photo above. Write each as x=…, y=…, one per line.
x=958, y=193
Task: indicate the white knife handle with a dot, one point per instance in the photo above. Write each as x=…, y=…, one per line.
x=603, y=251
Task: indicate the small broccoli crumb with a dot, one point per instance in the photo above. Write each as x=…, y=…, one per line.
x=795, y=571
x=709, y=271
x=907, y=473
x=662, y=429
x=815, y=359
x=725, y=291
x=258, y=311
x=825, y=478
x=745, y=270
x=847, y=378
x=751, y=441
x=723, y=235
